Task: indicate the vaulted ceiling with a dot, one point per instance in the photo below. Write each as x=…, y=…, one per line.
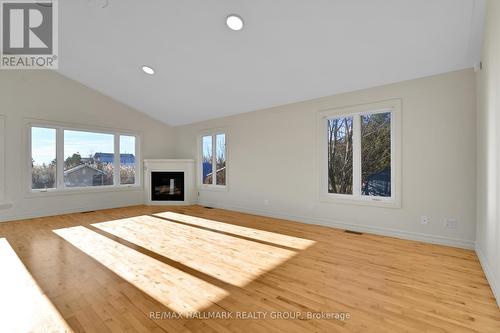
x=288, y=50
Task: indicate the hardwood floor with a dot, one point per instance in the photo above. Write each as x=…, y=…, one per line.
x=128, y=270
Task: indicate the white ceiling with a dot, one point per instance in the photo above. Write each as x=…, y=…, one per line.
x=288, y=51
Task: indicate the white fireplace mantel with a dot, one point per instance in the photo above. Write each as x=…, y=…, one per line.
x=171, y=165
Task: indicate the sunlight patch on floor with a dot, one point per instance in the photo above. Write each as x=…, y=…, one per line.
x=230, y=259
x=23, y=305
x=179, y=291
x=267, y=236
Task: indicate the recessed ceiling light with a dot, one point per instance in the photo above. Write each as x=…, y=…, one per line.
x=148, y=70
x=234, y=22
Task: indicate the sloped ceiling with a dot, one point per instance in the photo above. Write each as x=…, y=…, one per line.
x=288, y=51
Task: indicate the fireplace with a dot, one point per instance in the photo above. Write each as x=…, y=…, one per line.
x=167, y=186
x=170, y=182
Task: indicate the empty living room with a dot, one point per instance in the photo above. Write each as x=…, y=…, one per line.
x=249, y=166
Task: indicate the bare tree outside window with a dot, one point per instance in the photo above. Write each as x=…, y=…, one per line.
x=340, y=152
x=376, y=154
x=207, y=159
x=363, y=154
x=220, y=159
x=213, y=157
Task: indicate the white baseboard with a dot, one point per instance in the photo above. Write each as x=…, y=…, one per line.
x=61, y=211
x=490, y=275
x=460, y=243
x=466, y=244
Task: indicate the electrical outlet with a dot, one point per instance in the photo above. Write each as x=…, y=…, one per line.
x=424, y=219
x=266, y=202
x=450, y=223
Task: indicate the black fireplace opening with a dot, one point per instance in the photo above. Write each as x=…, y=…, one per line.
x=167, y=186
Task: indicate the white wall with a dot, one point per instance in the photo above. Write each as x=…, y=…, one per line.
x=488, y=145
x=272, y=159
x=46, y=95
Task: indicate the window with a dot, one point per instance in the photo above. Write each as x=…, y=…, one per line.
x=207, y=159
x=89, y=159
x=213, y=156
x=68, y=158
x=128, y=163
x=340, y=155
x=220, y=159
x=360, y=159
x=43, y=158
x=376, y=154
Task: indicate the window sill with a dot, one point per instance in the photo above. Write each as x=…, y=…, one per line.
x=215, y=188
x=369, y=201
x=82, y=190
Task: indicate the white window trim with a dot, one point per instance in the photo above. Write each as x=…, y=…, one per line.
x=60, y=188
x=394, y=106
x=199, y=166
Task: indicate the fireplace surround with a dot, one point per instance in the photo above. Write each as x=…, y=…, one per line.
x=170, y=182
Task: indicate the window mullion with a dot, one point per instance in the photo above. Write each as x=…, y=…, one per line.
x=60, y=158
x=356, y=158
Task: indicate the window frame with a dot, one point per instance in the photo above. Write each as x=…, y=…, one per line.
x=213, y=133
x=60, y=186
x=356, y=111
